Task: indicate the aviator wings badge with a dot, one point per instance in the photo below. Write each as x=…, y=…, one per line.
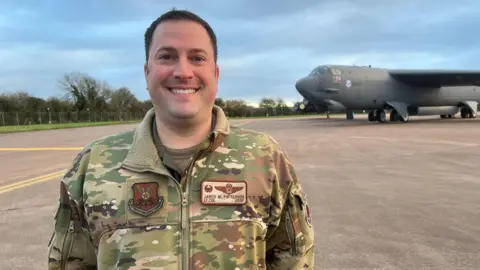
x=145, y=199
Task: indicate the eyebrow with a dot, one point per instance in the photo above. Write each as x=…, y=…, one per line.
x=170, y=48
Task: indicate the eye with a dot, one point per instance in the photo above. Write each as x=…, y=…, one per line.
x=198, y=58
x=164, y=57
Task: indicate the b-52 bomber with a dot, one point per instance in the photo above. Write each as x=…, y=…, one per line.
x=402, y=92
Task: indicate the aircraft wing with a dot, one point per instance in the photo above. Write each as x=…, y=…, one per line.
x=437, y=78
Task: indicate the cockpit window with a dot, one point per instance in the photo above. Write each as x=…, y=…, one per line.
x=335, y=72
x=319, y=70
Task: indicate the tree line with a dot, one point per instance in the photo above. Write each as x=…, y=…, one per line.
x=84, y=98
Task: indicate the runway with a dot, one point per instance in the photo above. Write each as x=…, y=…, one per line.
x=389, y=196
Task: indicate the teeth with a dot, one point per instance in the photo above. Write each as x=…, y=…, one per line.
x=183, y=91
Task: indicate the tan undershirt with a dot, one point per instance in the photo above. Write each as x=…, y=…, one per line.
x=175, y=159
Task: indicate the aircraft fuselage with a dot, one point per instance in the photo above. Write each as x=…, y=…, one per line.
x=353, y=88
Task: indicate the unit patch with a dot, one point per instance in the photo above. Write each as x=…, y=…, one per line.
x=145, y=199
x=224, y=192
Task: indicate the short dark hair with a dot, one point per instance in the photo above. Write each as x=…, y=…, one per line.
x=178, y=15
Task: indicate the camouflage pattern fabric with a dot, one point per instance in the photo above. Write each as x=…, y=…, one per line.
x=240, y=205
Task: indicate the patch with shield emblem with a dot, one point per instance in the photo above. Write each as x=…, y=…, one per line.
x=224, y=192
x=145, y=199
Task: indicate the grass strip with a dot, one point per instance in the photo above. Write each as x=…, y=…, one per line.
x=27, y=128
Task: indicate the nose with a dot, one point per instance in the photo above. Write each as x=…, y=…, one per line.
x=307, y=84
x=182, y=69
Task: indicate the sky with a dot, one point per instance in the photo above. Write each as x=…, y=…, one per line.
x=264, y=46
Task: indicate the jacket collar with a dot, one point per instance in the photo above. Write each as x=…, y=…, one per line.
x=143, y=155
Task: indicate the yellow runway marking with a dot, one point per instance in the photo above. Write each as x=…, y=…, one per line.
x=41, y=149
x=242, y=123
x=31, y=181
x=47, y=177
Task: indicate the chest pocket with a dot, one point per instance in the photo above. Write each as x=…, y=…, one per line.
x=226, y=228
x=139, y=217
x=146, y=200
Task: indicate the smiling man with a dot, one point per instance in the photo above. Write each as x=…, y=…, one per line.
x=184, y=190
x=182, y=77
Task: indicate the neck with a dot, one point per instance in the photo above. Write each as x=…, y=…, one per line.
x=180, y=134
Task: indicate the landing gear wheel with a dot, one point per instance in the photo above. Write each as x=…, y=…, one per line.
x=371, y=116
x=381, y=117
x=394, y=116
x=467, y=113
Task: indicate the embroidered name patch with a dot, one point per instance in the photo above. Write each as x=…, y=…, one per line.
x=224, y=192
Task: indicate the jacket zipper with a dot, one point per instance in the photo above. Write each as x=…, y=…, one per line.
x=291, y=231
x=184, y=217
x=186, y=232
x=67, y=242
x=185, y=229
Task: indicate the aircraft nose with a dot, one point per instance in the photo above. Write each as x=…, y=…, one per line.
x=306, y=84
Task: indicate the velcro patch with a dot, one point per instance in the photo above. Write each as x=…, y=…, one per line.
x=224, y=192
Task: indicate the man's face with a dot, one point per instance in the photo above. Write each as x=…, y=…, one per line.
x=181, y=73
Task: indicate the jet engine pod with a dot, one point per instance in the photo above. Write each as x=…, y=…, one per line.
x=304, y=106
x=434, y=110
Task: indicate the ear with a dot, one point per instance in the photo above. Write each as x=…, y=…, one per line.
x=217, y=72
x=146, y=70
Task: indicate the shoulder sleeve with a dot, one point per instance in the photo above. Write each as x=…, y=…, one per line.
x=290, y=239
x=70, y=246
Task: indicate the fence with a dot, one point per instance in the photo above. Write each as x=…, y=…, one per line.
x=52, y=117
x=34, y=118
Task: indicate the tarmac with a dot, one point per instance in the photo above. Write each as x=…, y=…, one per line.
x=388, y=196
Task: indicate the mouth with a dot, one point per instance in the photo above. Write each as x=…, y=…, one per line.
x=183, y=91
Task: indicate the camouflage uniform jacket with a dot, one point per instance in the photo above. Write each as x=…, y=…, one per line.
x=239, y=206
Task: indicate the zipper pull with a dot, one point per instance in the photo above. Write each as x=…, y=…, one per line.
x=184, y=205
x=184, y=199
x=71, y=227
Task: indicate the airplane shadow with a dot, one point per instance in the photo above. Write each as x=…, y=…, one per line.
x=339, y=122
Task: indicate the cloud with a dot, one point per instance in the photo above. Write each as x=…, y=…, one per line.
x=346, y=27
x=264, y=47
